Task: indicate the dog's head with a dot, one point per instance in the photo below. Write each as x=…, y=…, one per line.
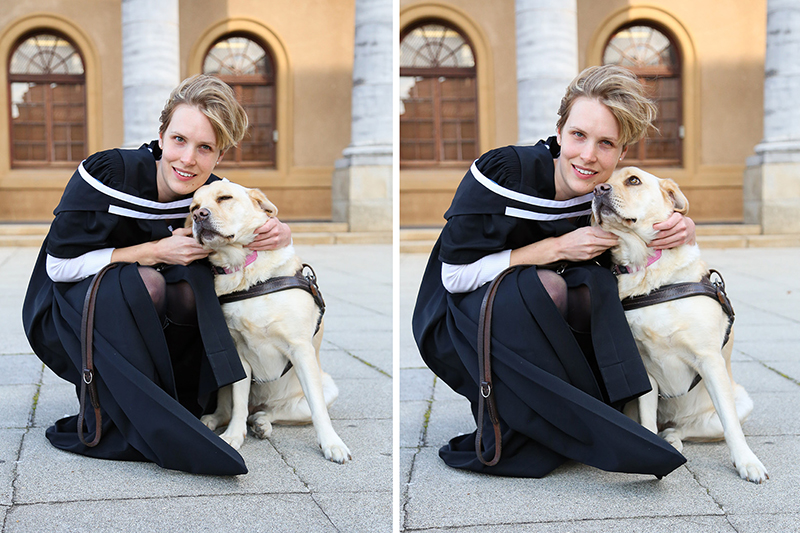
x=224, y=213
x=632, y=200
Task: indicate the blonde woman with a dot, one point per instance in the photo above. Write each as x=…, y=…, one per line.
x=161, y=346
x=563, y=359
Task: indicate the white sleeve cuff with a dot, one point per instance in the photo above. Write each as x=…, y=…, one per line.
x=78, y=268
x=466, y=278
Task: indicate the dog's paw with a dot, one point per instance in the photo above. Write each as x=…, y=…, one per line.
x=233, y=437
x=751, y=469
x=261, y=426
x=212, y=422
x=336, y=451
x=670, y=436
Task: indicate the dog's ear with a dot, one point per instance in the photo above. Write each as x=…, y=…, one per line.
x=260, y=199
x=673, y=192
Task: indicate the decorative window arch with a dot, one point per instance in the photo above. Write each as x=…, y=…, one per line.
x=248, y=67
x=47, y=95
x=653, y=55
x=438, y=95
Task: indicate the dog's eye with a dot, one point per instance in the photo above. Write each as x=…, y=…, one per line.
x=221, y=199
x=633, y=180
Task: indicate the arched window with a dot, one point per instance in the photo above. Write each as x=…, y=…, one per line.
x=438, y=96
x=47, y=89
x=248, y=68
x=653, y=57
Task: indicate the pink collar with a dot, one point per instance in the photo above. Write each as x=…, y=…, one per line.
x=248, y=260
x=653, y=259
x=618, y=269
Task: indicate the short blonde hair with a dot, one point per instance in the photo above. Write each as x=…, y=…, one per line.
x=216, y=100
x=619, y=90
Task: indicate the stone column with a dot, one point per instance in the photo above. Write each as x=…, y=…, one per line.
x=547, y=60
x=362, y=181
x=772, y=179
x=150, y=64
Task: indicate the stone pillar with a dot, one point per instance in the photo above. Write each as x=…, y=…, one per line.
x=362, y=181
x=772, y=179
x=547, y=60
x=150, y=65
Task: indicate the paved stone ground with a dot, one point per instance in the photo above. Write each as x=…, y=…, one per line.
x=290, y=486
x=704, y=495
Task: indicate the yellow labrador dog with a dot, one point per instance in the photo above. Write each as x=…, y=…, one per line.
x=680, y=339
x=270, y=330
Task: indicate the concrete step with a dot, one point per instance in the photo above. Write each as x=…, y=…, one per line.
x=307, y=233
x=421, y=240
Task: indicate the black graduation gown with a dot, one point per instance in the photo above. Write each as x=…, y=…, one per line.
x=110, y=202
x=555, y=401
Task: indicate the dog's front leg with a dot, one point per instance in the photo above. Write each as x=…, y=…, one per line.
x=719, y=388
x=648, y=407
x=308, y=372
x=236, y=431
x=222, y=414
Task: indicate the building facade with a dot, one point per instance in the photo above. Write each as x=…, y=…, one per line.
x=78, y=77
x=703, y=62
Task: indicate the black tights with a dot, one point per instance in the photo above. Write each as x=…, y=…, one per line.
x=574, y=303
x=177, y=311
x=174, y=302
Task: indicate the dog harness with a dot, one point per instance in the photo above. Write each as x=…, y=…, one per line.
x=307, y=282
x=705, y=287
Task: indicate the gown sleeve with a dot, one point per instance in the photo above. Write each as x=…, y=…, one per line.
x=470, y=237
x=76, y=231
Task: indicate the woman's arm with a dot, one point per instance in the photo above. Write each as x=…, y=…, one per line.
x=179, y=249
x=581, y=244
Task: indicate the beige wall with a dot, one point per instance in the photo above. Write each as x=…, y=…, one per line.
x=313, y=42
x=724, y=51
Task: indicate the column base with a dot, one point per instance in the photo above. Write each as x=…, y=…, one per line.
x=362, y=191
x=772, y=192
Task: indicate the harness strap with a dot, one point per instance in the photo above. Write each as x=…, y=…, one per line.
x=307, y=282
x=705, y=287
x=486, y=393
x=88, y=382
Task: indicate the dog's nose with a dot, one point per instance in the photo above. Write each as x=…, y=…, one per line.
x=601, y=188
x=200, y=214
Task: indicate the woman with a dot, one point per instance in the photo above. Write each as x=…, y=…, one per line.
x=563, y=359
x=161, y=346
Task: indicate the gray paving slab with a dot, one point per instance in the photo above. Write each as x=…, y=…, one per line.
x=705, y=494
x=284, y=513
x=290, y=486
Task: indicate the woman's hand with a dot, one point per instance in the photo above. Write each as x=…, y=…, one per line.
x=179, y=249
x=585, y=243
x=581, y=244
x=676, y=230
x=272, y=235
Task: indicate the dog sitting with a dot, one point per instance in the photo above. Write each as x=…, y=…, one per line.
x=680, y=339
x=277, y=335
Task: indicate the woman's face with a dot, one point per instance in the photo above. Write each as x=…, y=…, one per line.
x=189, y=153
x=590, y=149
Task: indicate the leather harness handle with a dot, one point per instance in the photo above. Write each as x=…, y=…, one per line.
x=87, y=359
x=486, y=393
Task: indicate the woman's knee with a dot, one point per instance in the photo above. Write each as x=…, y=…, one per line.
x=156, y=287
x=556, y=288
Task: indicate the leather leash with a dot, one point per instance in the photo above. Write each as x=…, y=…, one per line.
x=87, y=359
x=486, y=393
